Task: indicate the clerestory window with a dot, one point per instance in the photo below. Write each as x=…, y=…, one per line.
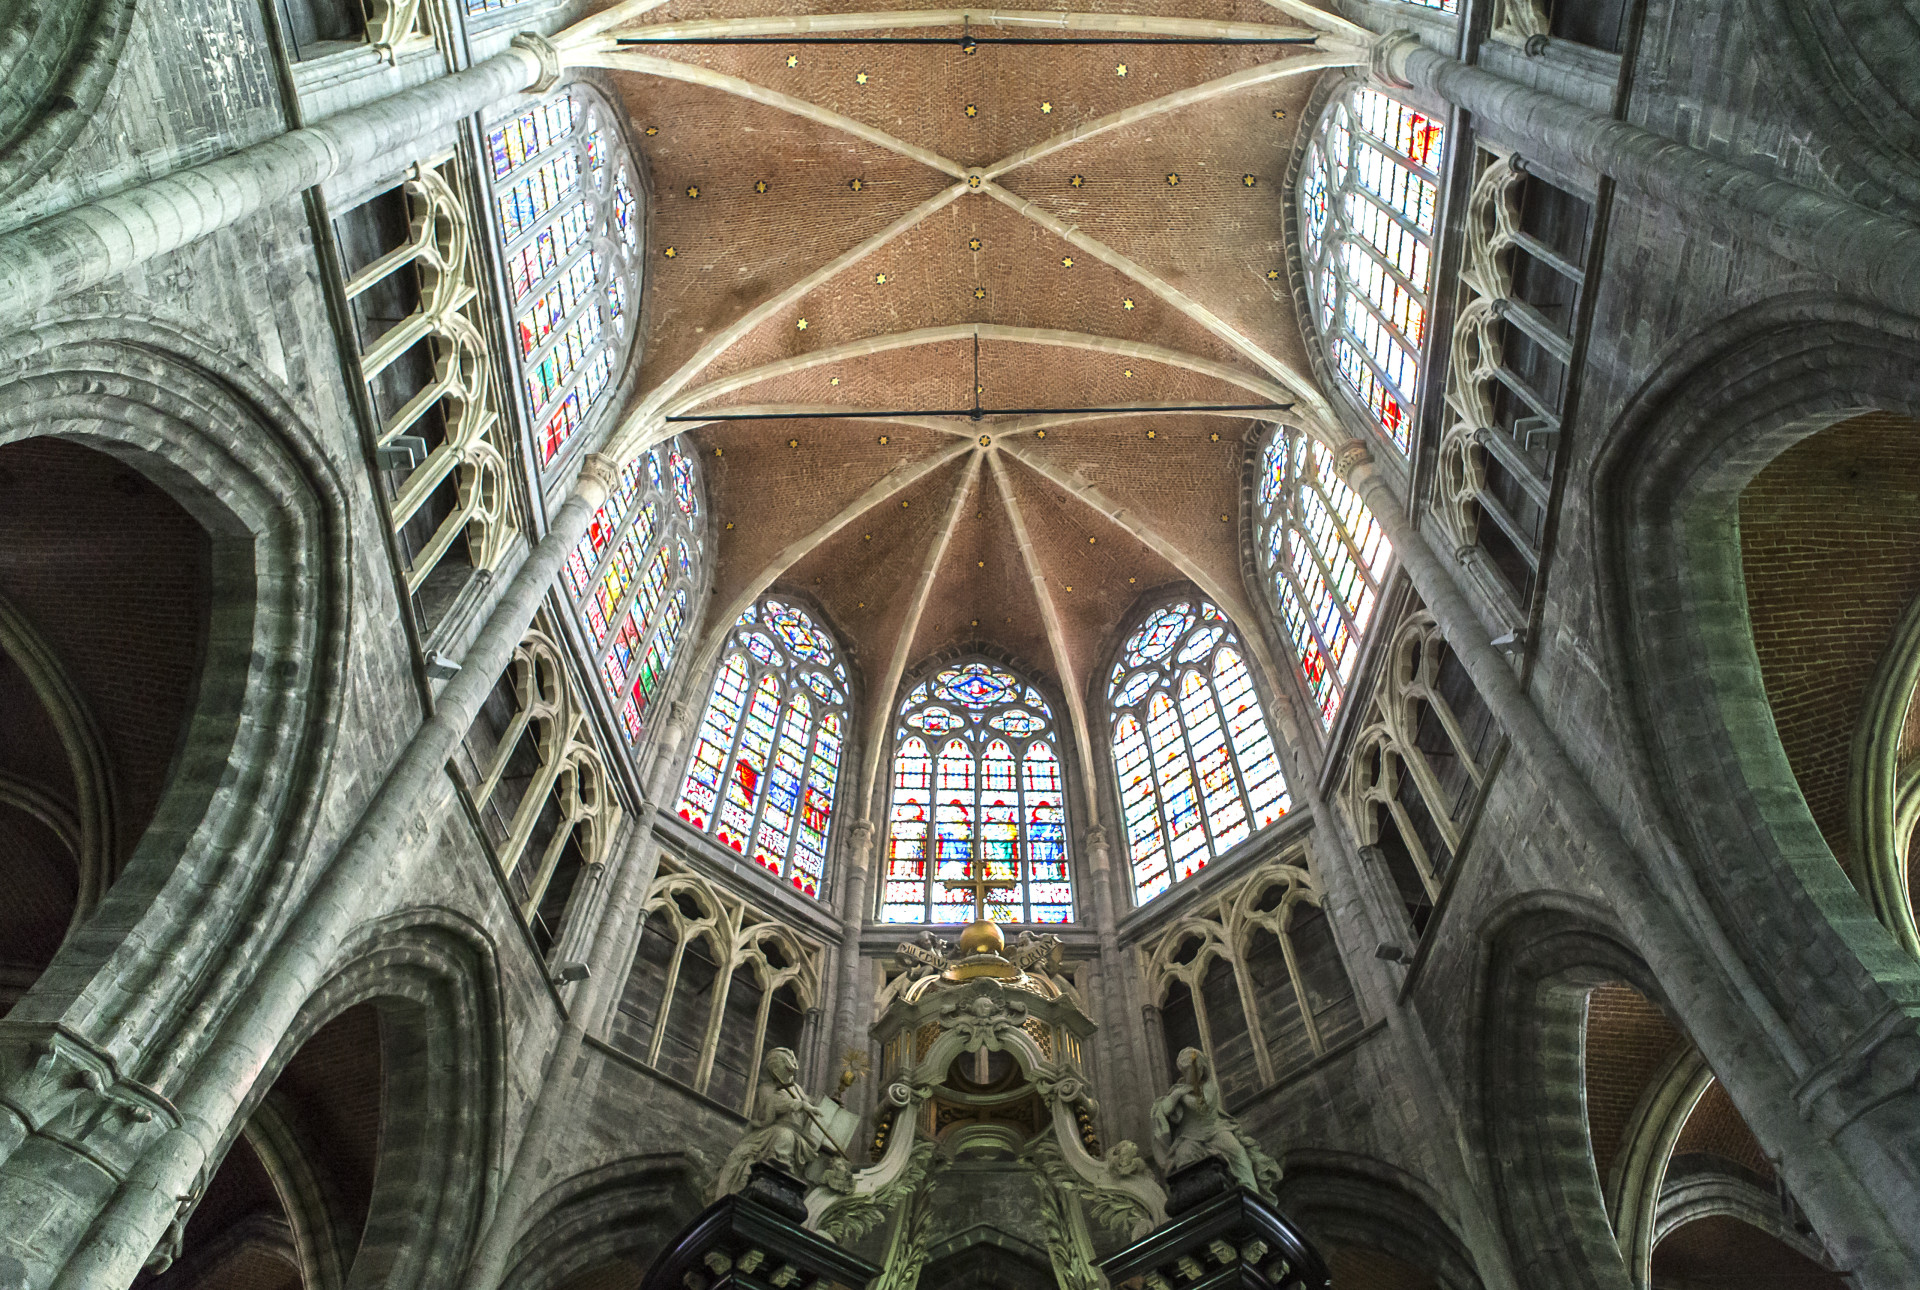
x=766, y=765
x=569, y=221
x=1326, y=558
x=631, y=578
x=1194, y=756
x=977, y=780
x=1368, y=201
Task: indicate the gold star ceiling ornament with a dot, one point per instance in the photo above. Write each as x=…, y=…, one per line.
x=1077, y=181
x=793, y=60
x=1066, y=261
x=1127, y=304
x=693, y=190
x=760, y=186
x=669, y=253
x=856, y=184
x=1249, y=180
x=880, y=279
x=652, y=130
x=973, y=244
x=1173, y=181
x=1046, y=108
x=1273, y=275
x=859, y=78
x=1120, y=69
x=972, y=111
x=979, y=293
x=802, y=324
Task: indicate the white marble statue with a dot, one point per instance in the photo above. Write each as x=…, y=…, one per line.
x=1190, y=1124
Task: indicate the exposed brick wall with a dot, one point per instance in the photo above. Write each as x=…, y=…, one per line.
x=1356, y=1269
x=1723, y=1251
x=1627, y=1039
x=116, y=576
x=1830, y=542
x=1715, y=1128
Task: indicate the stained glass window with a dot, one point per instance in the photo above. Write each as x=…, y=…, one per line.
x=1194, y=757
x=563, y=197
x=977, y=758
x=631, y=578
x=1326, y=558
x=766, y=763
x=1368, y=193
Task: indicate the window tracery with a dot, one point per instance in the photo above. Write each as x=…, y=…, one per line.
x=1252, y=978
x=715, y=984
x=766, y=763
x=976, y=779
x=1418, y=763
x=563, y=191
x=540, y=785
x=1369, y=192
x=630, y=579
x=1194, y=756
x=1325, y=556
x=414, y=287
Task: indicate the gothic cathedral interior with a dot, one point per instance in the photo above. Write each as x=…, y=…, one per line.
x=1150, y=646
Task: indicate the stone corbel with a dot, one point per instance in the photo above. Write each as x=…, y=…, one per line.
x=548, y=54
x=54, y=1085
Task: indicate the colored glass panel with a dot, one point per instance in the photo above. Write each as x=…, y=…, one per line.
x=1192, y=752
x=1328, y=558
x=976, y=792
x=777, y=773
x=1369, y=203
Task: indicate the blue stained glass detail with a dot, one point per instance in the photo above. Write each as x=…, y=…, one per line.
x=1156, y=636
x=977, y=686
x=1019, y=722
x=821, y=686
x=936, y=721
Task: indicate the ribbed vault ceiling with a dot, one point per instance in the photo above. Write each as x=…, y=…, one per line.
x=817, y=244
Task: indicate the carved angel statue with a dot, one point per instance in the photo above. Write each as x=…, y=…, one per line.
x=1190, y=1123
x=1036, y=952
x=783, y=1130
x=924, y=957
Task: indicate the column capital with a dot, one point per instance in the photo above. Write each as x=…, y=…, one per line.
x=1387, y=56
x=599, y=476
x=1349, y=457
x=548, y=54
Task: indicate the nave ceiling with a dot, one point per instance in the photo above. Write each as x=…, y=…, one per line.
x=795, y=265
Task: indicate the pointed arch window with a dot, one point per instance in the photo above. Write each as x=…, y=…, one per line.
x=1194, y=756
x=1326, y=558
x=563, y=188
x=976, y=780
x=631, y=579
x=766, y=764
x=1369, y=195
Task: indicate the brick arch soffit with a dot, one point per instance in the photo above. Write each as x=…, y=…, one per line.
x=1851, y=75
x=1346, y=1199
x=434, y=980
x=320, y=1249
x=1676, y=639
x=222, y=855
x=90, y=829
x=1883, y=798
x=1539, y=955
x=626, y=1209
x=63, y=57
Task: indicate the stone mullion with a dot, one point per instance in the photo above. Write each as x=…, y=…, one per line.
x=1285, y=937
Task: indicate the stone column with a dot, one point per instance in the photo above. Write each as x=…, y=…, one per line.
x=534, y=1168
x=666, y=755
x=856, y=862
x=1116, y=1009
x=104, y=1235
x=79, y=248
x=1869, y=254
x=1702, y=975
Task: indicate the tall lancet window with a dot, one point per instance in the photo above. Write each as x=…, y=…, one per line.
x=1326, y=558
x=633, y=576
x=767, y=761
x=1192, y=751
x=1368, y=199
x=977, y=781
x=565, y=199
